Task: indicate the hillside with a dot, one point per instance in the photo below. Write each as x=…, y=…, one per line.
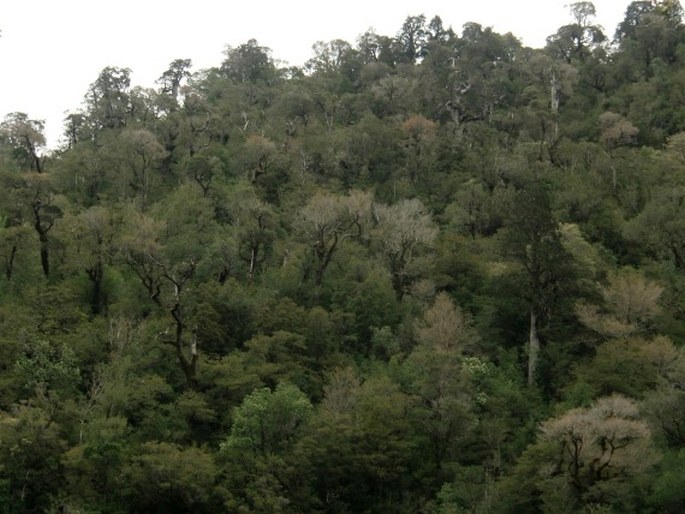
x=433, y=272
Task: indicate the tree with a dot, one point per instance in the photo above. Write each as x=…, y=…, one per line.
x=332, y=57
x=355, y=450
x=26, y=139
x=255, y=224
x=267, y=421
x=394, y=94
x=248, y=62
x=108, y=101
x=665, y=404
x=477, y=211
x=445, y=329
x=577, y=41
x=643, y=12
x=47, y=368
x=599, y=447
x=13, y=235
x=532, y=240
x=30, y=449
x=202, y=171
x=164, y=477
x=435, y=368
x=327, y=220
x=93, y=247
x=660, y=226
x=412, y=38
x=616, y=132
x=650, y=32
x=375, y=48
x=634, y=367
x=630, y=303
x=587, y=457
x=259, y=154
x=437, y=32
x=166, y=276
x=141, y=153
x=479, y=81
x=36, y=202
x=403, y=230
x=419, y=144
x=171, y=80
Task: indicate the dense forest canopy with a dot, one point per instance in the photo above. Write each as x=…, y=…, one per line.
x=430, y=272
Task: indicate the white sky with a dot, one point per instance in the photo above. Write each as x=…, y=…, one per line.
x=51, y=50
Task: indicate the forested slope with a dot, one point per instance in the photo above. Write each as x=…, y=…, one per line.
x=433, y=272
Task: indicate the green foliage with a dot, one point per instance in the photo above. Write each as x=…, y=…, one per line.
x=630, y=367
x=584, y=458
x=355, y=450
x=45, y=365
x=30, y=450
x=264, y=289
x=164, y=477
x=267, y=421
x=668, y=494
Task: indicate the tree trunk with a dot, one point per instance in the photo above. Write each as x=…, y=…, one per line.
x=35, y=158
x=188, y=365
x=96, y=275
x=679, y=264
x=253, y=264
x=554, y=93
x=323, y=257
x=533, y=348
x=44, y=254
x=9, y=263
x=36, y=161
x=398, y=285
x=42, y=232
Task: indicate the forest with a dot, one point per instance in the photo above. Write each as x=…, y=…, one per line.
x=432, y=272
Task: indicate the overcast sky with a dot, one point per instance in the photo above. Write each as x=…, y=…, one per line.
x=51, y=50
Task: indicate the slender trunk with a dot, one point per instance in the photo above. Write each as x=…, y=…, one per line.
x=679, y=264
x=170, y=147
x=324, y=256
x=44, y=254
x=36, y=164
x=42, y=232
x=554, y=93
x=223, y=275
x=253, y=261
x=9, y=263
x=397, y=266
x=96, y=275
x=318, y=277
x=398, y=285
x=533, y=348
x=36, y=161
x=188, y=365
